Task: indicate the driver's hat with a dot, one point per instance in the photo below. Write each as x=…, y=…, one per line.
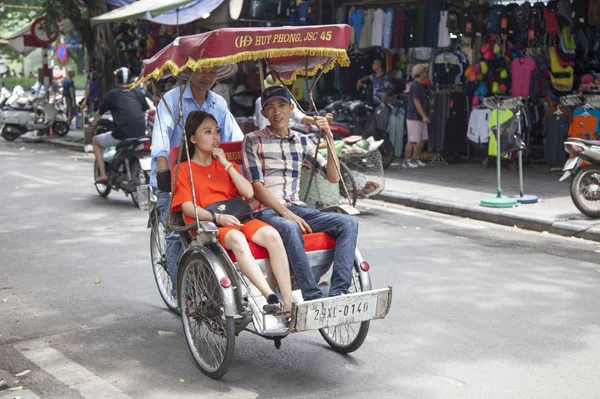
x=274, y=92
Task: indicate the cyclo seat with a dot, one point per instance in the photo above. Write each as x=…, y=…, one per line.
x=126, y=142
x=313, y=242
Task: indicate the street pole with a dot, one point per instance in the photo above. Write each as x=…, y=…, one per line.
x=177, y=15
x=45, y=71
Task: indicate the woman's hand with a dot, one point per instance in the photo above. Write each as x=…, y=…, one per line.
x=229, y=220
x=219, y=154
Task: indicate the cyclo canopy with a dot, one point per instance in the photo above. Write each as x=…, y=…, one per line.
x=290, y=51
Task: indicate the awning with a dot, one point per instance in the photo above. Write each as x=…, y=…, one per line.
x=139, y=10
x=187, y=13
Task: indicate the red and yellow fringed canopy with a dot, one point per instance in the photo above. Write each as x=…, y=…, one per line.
x=290, y=50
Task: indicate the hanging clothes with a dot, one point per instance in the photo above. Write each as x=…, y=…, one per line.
x=357, y=19
x=377, y=28
x=419, y=22
x=398, y=36
x=584, y=125
x=432, y=25
x=456, y=125
x=446, y=68
x=478, y=131
x=556, y=132
x=521, y=69
x=366, y=33
x=396, y=130
x=388, y=28
x=443, y=33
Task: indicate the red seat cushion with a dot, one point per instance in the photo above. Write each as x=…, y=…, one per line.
x=312, y=242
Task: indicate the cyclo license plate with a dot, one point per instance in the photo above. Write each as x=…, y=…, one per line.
x=342, y=310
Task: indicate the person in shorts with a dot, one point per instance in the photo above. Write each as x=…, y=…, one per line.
x=417, y=118
x=127, y=108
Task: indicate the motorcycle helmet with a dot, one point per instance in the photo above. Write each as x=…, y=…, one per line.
x=122, y=75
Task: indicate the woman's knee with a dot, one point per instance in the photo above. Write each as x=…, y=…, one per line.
x=236, y=241
x=271, y=237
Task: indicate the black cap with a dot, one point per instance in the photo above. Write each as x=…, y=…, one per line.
x=274, y=92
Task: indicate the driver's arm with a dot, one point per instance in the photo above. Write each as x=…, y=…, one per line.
x=163, y=127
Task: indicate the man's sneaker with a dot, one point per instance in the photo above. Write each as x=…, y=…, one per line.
x=418, y=162
x=409, y=164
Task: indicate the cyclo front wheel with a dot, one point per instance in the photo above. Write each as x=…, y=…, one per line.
x=159, y=261
x=209, y=333
x=347, y=337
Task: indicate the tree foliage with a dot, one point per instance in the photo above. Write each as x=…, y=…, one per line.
x=98, y=40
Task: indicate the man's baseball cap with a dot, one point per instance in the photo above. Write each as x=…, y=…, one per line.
x=274, y=92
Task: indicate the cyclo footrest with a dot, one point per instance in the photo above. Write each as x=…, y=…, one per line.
x=343, y=309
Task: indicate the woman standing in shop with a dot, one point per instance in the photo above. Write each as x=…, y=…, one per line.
x=417, y=118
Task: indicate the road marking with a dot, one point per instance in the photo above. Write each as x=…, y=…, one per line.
x=88, y=384
x=32, y=178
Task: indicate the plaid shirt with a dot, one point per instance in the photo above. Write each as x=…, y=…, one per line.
x=277, y=163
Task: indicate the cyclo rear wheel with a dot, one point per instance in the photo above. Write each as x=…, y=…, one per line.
x=348, y=337
x=209, y=333
x=159, y=261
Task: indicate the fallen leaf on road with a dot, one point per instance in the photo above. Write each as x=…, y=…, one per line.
x=5, y=299
x=181, y=380
x=165, y=333
x=16, y=388
x=597, y=244
x=418, y=228
x=515, y=227
x=126, y=263
x=22, y=373
x=598, y=250
x=544, y=232
x=460, y=237
x=97, y=281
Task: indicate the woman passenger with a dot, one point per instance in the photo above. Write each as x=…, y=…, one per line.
x=216, y=179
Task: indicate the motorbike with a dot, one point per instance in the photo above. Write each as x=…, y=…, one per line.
x=22, y=114
x=127, y=165
x=584, y=166
x=356, y=118
x=4, y=96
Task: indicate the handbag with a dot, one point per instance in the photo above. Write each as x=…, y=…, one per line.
x=237, y=207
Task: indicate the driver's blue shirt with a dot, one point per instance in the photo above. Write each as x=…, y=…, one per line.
x=166, y=134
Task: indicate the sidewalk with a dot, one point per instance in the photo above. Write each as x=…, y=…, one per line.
x=458, y=189
x=73, y=140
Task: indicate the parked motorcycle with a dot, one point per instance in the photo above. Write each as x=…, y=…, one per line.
x=127, y=165
x=584, y=166
x=355, y=118
x=22, y=114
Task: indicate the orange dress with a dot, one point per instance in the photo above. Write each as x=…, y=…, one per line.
x=211, y=184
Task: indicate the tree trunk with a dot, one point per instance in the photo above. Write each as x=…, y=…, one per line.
x=101, y=47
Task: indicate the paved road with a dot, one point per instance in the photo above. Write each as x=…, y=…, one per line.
x=479, y=310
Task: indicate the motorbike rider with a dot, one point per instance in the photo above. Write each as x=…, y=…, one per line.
x=128, y=109
x=167, y=133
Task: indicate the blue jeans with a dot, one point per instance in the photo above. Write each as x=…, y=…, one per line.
x=343, y=227
x=173, y=249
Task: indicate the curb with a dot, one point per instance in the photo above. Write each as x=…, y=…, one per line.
x=62, y=143
x=560, y=227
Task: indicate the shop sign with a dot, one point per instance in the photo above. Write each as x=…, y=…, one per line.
x=74, y=44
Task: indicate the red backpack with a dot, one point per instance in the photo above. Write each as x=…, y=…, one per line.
x=594, y=12
x=552, y=26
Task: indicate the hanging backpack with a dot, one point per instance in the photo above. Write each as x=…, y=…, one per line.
x=509, y=21
x=454, y=25
x=496, y=15
x=593, y=12
x=522, y=17
x=564, y=12
x=536, y=18
x=551, y=18
x=561, y=77
x=567, y=47
x=580, y=14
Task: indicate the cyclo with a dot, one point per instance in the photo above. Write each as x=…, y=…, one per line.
x=215, y=300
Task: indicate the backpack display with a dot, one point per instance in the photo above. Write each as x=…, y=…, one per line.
x=561, y=77
x=536, y=18
x=522, y=17
x=551, y=18
x=580, y=14
x=496, y=15
x=593, y=12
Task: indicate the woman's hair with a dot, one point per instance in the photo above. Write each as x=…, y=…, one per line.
x=193, y=121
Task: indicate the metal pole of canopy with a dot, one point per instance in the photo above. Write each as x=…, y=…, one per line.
x=177, y=15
